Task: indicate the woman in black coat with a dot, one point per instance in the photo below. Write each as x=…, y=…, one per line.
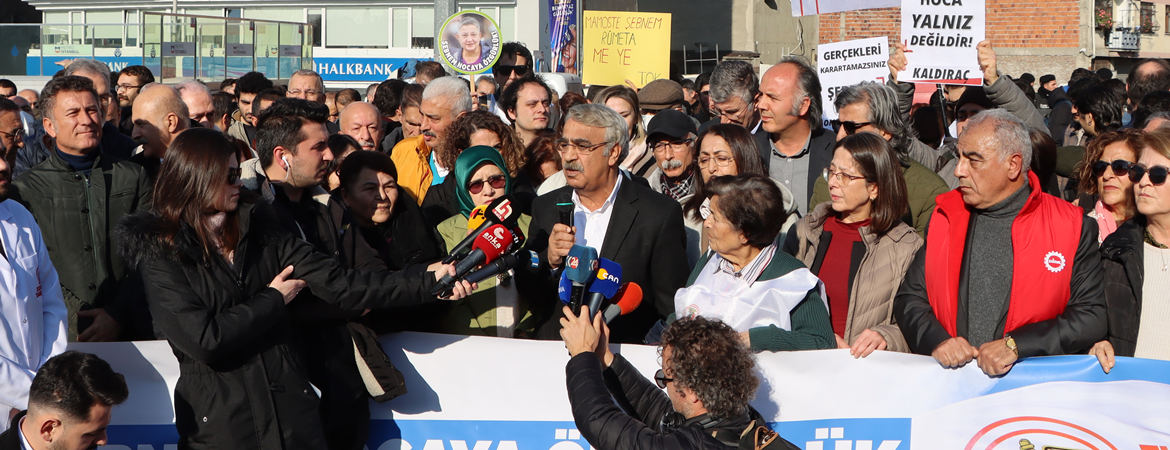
x=218, y=274
x=1135, y=259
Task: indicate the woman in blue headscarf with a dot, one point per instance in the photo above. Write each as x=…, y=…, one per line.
x=495, y=309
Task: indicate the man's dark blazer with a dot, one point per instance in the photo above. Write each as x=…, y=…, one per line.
x=820, y=153
x=10, y=440
x=645, y=236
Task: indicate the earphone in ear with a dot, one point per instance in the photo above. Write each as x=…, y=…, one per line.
x=286, y=164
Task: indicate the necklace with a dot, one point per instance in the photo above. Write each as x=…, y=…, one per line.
x=1150, y=240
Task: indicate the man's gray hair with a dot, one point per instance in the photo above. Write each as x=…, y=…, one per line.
x=734, y=78
x=601, y=116
x=192, y=85
x=1164, y=115
x=310, y=73
x=454, y=89
x=1009, y=134
x=93, y=66
x=884, y=112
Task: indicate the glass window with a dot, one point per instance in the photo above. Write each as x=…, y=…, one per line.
x=56, y=17
x=234, y=13
x=423, y=27
x=507, y=23
x=282, y=14
x=401, y=27
x=213, y=12
x=315, y=19
x=357, y=27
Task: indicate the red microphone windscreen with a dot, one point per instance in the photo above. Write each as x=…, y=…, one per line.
x=629, y=298
x=493, y=241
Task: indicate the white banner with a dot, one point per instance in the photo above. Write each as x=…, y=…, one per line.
x=498, y=394
x=940, y=38
x=813, y=7
x=847, y=63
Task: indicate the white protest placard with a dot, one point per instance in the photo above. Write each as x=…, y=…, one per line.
x=847, y=63
x=178, y=49
x=814, y=7
x=940, y=38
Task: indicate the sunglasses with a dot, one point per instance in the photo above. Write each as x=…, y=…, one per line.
x=850, y=127
x=661, y=380
x=496, y=181
x=504, y=71
x=233, y=175
x=1157, y=173
x=1120, y=167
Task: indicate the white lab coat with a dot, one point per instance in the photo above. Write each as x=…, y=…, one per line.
x=32, y=310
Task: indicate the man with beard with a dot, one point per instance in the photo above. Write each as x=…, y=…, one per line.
x=294, y=156
x=159, y=116
x=247, y=88
x=443, y=100
x=70, y=403
x=526, y=102
x=361, y=121
x=131, y=80
x=34, y=294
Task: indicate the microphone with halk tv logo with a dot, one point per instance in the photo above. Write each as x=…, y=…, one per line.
x=627, y=299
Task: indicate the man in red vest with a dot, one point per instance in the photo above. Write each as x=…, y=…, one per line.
x=1007, y=271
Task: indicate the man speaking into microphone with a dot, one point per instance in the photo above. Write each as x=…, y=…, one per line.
x=626, y=222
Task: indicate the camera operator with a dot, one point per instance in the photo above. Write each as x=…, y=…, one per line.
x=707, y=373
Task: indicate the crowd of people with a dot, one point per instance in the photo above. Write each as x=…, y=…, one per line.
x=262, y=229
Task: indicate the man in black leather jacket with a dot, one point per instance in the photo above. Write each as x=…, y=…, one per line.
x=707, y=373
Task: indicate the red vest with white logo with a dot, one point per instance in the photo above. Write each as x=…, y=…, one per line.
x=1045, y=236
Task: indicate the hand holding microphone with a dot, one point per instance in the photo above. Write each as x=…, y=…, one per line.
x=487, y=246
x=563, y=235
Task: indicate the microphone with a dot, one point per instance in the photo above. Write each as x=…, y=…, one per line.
x=476, y=217
x=565, y=208
x=487, y=246
x=607, y=283
x=565, y=288
x=517, y=239
x=498, y=212
x=627, y=300
x=580, y=266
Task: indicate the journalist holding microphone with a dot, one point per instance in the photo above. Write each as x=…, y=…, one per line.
x=622, y=220
x=218, y=273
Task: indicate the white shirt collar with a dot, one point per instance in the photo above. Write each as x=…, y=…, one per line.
x=608, y=201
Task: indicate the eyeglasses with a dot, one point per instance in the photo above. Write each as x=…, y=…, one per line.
x=850, y=127
x=1157, y=173
x=16, y=135
x=233, y=175
x=496, y=182
x=840, y=176
x=504, y=71
x=721, y=160
x=564, y=146
x=127, y=87
x=308, y=93
x=677, y=146
x=660, y=379
x=1120, y=167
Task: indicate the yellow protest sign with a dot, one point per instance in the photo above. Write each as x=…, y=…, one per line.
x=623, y=46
